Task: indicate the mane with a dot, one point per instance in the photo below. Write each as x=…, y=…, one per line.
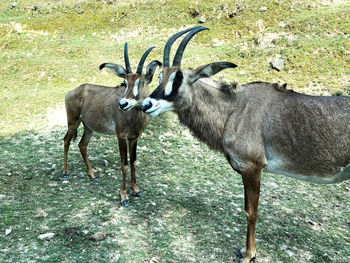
x=276, y=86
x=228, y=89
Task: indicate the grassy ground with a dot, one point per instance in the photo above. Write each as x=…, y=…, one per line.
x=192, y=210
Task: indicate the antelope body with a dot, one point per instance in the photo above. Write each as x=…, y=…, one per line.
x=257, y=126
x=98, y=108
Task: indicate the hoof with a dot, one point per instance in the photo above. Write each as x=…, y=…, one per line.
x=253, y=260
x=238, y=253
x=139, y=194
x=96, y=180
x=125, y=203
x=65, y=176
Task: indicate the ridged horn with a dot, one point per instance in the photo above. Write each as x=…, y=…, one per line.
x=142, y=61
x=169, y=44
x=183, y=44
x=126, y=59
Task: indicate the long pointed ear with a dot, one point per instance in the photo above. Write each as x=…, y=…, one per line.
x=116, y=69
x=209, y=70
x=150, y=69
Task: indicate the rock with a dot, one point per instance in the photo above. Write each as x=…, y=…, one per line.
x=277, y=64
x=40, y=214
x=224, y=7
x=80, y=12
x=232, y=14
x=37, y=7
x=263, y=9
x=281, y=24
x=99, y=236
x=46, y=236
x=14, y=4
x=266, y=40
x=201, y=20
x=217, y=42
x=8, y=231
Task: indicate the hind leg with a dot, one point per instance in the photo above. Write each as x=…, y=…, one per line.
x=83, y=144
x=71, y=133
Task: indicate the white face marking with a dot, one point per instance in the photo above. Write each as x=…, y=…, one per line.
x=169, y=86
x=158, y=106
x=136, y=88
x=127, y=86
x=131, y=103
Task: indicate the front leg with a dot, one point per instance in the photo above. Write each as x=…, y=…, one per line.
x=132, y=152
x=251, y=181
x=123, y=163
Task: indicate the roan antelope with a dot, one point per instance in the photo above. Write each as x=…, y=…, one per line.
x=98, y=108
x=257, y=126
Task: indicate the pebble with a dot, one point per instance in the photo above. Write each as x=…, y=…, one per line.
x=46, y=236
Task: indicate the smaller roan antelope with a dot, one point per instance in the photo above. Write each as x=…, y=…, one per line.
x=257, y=126
x=98, y=108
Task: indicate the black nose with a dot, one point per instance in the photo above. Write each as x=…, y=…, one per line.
x=147, y=106
x=123, y=105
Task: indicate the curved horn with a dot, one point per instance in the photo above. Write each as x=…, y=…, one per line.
x=183, y=44
x=126, y=59
x=170, y=42
x=142, y=61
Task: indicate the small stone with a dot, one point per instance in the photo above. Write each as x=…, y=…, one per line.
x=46, y=236
x=105, y=162
x=311, y=222
x=37, y=7
x=14, y=4
x=277, y=64
x=99, y=236
x=40, y=214
x=282, y=24
x=201, y=20
x=232, y=14
x=80, y=12
x=8, y=231
x=224, y=7
x=217, y=42
x=263, y=9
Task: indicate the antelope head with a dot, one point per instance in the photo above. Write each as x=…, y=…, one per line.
x=175, y=84
x=136, y=84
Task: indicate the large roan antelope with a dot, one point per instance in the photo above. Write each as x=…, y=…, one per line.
x=257, y=126
x=98, y=108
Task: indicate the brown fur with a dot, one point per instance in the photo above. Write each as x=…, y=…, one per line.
x=97, y=107
x=256, y=123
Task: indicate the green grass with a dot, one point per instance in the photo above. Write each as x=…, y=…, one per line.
x=192, y=210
